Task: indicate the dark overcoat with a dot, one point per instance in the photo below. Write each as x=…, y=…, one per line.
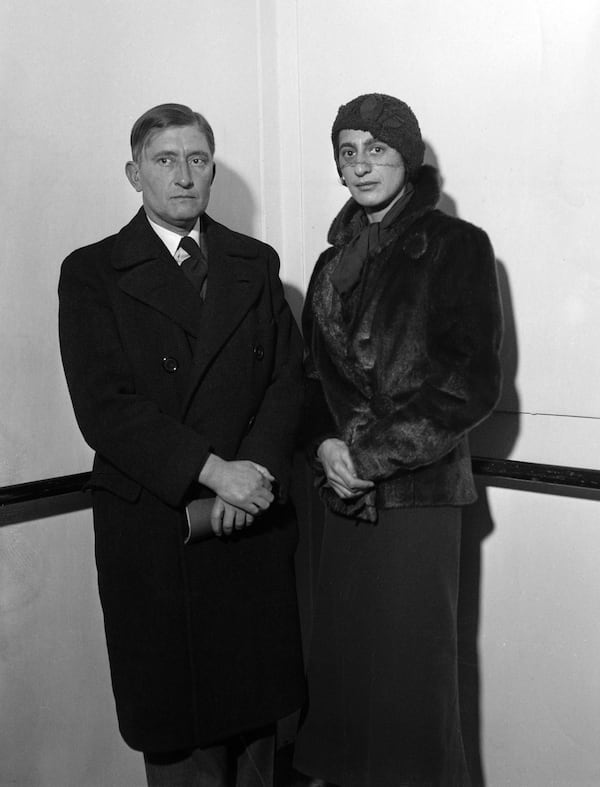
x=203, y=639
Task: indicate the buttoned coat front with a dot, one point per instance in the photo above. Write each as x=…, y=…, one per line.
x=203, y=639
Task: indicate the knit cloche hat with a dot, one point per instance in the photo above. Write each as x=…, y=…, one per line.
x=387, y=119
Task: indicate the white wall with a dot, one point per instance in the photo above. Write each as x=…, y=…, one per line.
x=507, y=98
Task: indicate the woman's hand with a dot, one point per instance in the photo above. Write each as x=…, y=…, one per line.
x=339, y=469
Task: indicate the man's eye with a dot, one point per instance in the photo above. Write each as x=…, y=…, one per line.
x=164, y=160
x=377, y=149
x=347, y=153
x=198, y=162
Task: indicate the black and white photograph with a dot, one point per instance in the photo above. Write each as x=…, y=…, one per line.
x=300, y=393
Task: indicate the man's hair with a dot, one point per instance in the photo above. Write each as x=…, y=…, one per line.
x=164, y=116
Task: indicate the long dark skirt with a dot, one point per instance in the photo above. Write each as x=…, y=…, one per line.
x=382, y=673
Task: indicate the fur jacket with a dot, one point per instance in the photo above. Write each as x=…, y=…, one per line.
x=403, y=366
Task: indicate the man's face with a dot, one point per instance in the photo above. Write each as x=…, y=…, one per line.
x=174, y=174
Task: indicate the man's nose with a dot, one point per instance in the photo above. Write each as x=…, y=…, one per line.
x=184, y=174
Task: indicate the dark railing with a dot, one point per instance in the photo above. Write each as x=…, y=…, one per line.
x=506, y=470
x=41, y=499
x=38, y=490
x=553, y=475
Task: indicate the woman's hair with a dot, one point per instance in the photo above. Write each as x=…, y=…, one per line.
x=164, y=116
x=389, y=120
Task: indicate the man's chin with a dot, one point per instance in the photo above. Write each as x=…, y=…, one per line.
x=187, y=214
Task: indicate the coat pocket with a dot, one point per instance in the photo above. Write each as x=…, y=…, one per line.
x=117, y=483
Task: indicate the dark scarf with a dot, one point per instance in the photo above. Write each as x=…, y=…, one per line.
x=368, y=241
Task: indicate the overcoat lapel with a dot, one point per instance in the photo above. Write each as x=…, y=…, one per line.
x=152, y=276
x=234, y=284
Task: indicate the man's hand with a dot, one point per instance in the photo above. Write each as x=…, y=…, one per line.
x=242, y=484
x=224, y=518
x=339, y=469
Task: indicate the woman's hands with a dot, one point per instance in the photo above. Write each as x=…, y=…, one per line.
x=339, y=469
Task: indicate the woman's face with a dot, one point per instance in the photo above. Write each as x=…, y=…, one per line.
x=373, y=171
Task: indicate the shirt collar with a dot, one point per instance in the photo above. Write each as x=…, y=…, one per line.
x=171, y=239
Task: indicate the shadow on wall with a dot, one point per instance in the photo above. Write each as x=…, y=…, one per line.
x=295, y=298
x=231, y=201
x=495, y=438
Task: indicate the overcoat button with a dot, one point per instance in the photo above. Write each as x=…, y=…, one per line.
x=259, y=352
x=170, y=364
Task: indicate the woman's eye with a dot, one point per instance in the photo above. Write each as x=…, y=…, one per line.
x=347, y=153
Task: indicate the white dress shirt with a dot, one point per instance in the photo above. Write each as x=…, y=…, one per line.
x=171, y=239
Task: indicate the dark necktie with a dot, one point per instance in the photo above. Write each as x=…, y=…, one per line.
x=195, y=266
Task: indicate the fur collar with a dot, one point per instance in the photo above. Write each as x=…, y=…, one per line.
x=351, y=219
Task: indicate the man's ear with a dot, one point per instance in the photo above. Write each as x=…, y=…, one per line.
x=212, y=180
x=133, y=175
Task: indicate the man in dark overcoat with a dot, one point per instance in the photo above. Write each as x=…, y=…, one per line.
x=184, y=367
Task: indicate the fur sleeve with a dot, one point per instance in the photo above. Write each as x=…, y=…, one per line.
x=462, y=329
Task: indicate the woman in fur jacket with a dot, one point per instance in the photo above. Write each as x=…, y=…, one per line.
x=403, y=327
